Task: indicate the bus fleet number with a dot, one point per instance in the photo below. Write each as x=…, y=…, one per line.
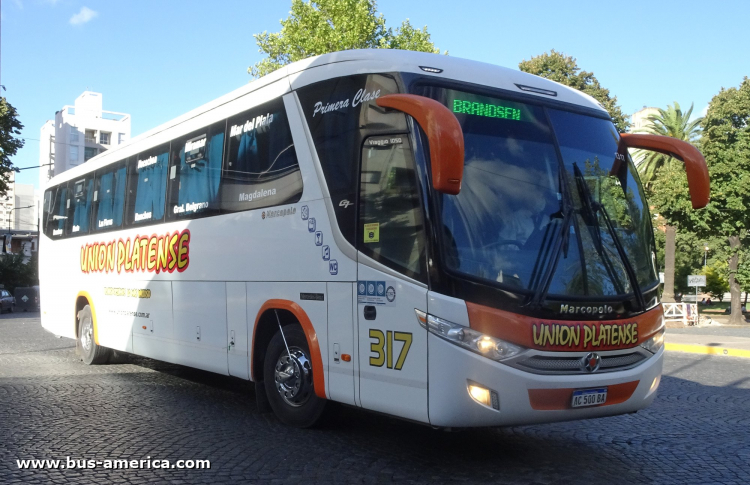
x=382, y=348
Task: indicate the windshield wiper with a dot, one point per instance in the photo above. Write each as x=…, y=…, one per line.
x=593, y=206
x=557, y=245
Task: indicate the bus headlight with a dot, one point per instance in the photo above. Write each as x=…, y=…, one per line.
x=654, y=343
x=490, y=347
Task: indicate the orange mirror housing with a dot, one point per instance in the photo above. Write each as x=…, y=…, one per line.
x=443, y=132
x=695, y=164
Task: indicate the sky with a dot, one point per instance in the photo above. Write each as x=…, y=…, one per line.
x=157, y=59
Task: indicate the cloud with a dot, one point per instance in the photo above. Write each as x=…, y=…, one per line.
x=83, y=16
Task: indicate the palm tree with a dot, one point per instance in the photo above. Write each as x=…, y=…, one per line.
x=670, y=122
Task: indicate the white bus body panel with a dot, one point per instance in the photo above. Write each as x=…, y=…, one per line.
x=385, y=387
x=237, y=325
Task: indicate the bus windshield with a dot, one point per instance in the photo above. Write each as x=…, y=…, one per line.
x=546, y=204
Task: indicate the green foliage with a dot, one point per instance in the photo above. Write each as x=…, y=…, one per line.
x=14, y=274
x=563, y=69
x=726, y=146
x=725, y=143
x=318, y=27
x=10, y=127
x=670, y=122
x=716, y=281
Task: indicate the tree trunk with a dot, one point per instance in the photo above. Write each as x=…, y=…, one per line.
x=669, y=249
x=735, y=317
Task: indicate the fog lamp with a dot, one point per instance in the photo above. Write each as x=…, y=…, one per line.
x=654, y=385
x=484, y=396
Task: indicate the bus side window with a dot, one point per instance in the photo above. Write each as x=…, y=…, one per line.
x=195, y=173
x=391, y=227
x=261, y=169
x=147, y=186
x=57, y=215
x=109, y=201
x=79, y=210
x=49, y=196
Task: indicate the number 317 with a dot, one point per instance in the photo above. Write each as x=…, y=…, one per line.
x=382, y=348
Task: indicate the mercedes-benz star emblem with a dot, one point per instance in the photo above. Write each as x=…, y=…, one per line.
x=591, y=362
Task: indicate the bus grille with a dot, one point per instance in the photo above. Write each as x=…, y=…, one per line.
x=547, y=364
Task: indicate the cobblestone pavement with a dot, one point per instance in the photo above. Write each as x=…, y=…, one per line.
x=52, y=406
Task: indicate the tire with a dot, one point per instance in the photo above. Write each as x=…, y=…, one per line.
x=91, y=352
x=291, y=396
x=11, y=308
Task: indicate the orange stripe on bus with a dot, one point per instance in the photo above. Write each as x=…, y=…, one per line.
x=312, y=340
x=560, y=399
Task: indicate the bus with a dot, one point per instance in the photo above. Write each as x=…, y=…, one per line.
x=440, y=240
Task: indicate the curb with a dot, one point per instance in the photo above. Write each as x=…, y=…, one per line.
x=704, y=349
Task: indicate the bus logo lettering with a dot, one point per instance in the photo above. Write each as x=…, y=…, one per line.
x=153, y=254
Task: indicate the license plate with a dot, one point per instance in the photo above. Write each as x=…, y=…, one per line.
x=589, y=397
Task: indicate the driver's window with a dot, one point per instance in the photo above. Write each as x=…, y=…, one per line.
x=391, y=226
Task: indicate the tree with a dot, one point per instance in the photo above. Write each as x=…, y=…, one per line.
x=321, y=26
x=670, y=122
x=10, y=127
x=725, y=143
x=16, y=274
x=563, y=69
x=716, y=283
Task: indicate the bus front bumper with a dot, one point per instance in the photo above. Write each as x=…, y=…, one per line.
x=524, y=397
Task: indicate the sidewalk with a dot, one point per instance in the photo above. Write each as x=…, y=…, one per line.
x=713, y=339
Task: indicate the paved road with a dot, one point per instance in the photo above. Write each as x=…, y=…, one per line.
x=52, y=406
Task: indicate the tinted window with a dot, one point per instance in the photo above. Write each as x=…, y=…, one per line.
x=147, y=185
x=79, y=210
x=109, y=199
x=337, y=112
x=391, y=227
x=58, y=212
x=261, y=168
x=195, y=172
x=49, y=196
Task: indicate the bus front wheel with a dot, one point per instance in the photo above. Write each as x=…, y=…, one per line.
x=91, y=352
x=288, y=379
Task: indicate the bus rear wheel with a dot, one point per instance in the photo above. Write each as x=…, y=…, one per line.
x=288, y=379
x=91, y=352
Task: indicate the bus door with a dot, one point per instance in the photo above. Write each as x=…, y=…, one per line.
x=391, y=275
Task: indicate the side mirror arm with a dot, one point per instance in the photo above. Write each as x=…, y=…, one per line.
x=443, y=133
x=695, y=165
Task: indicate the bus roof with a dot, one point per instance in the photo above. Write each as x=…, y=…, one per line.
x=361, y=61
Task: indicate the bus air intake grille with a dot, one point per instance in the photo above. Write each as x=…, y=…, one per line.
x=573, y=364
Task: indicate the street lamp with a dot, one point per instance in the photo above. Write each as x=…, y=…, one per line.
x=15, y=209
x=705, y=255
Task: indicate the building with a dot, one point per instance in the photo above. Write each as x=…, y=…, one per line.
x=639, y=121
x=8, y=204
x=78, y=133
x=26, y=211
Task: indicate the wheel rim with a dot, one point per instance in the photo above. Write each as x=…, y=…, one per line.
x=293, y=376
x=87, y=335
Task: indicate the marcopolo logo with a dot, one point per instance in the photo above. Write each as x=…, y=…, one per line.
x=588, y=310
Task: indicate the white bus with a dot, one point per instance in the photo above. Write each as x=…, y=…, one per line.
x=441, y=240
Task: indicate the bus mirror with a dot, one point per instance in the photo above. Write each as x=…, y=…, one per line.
x=443, y=133
x=695, y=164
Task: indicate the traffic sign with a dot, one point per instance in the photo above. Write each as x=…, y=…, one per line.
x=697, y=280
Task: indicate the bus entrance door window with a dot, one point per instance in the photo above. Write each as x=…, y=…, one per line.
x=391, y=243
